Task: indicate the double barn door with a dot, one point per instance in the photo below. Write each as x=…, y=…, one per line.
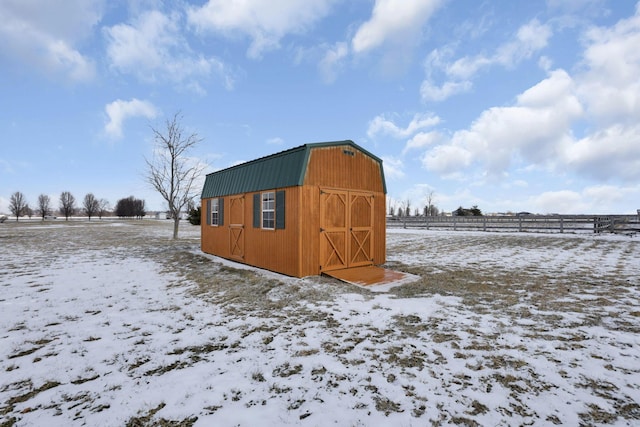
x=346, y=229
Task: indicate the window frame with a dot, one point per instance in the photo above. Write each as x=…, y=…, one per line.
x=268, y=206
x=215, y=210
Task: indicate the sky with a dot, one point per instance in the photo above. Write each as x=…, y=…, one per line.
x=510, y=106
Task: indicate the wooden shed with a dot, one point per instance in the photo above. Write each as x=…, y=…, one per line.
x=309, y=210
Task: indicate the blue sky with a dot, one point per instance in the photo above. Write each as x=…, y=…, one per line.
x=507, y=105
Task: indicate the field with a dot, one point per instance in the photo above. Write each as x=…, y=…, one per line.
x=112, y=323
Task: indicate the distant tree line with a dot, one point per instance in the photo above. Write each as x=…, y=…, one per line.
x=91, y=206
x=405, y=208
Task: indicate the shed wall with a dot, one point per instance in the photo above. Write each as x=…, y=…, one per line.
x=275, y=250
x=343, y=166
x=310, y=229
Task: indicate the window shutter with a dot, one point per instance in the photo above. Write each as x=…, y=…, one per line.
x=280, y=204
x=208, y=212
x=221, y=211
x=256, y=210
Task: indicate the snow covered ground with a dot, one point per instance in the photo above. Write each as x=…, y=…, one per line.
x=111, y=323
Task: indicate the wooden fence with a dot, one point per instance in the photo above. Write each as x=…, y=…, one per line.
x=623, y=224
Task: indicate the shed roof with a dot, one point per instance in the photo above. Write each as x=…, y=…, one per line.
x=279, y=170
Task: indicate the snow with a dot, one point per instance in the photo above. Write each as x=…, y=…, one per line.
x=98, y=325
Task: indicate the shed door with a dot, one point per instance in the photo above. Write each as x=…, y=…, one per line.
x=360, y=245
x=346, y=229
x=236, y=227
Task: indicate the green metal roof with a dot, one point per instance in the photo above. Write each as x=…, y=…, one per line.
x=280, y=170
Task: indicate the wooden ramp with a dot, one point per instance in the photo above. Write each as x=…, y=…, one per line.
x=372, y=277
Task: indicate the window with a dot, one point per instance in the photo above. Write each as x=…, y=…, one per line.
x=215, y=211
x=269, y=210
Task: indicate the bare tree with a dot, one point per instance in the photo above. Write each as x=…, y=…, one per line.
x=103, y=207
x=430, y=208
x=391, y=206
x=170, y=172
x=91, y=205
x=44, y=205
x=67, y=204
x=18, y=204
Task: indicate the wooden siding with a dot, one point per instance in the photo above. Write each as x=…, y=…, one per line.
x=344, y=166
x=295, y=250
x=275, y=250
x=310, y=229
x=380, y=229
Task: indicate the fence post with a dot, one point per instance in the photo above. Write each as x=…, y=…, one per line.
x=561, y=225
x=520, y=223
x=484, y=223
x=454, y=224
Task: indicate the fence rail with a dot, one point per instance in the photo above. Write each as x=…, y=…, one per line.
x=623, y=224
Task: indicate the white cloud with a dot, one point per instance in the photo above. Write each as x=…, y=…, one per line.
x=422, y=140
x=46, y=34
x=438, y=59
x=153, y=49
x=382, y=125
x=332, y=61
x=118, y=111
x=596, y=199
x=610, y=88
x=467, y=67
x=602, y=100
x=393, y=167
x=610, y=85
x=266, y=23
x=601, y=197
x=529, y=39
x=612, y=153
x=431, y=92
x=447, y=160
x=396, y=21
x=563, y=202
x=545, y=63
x=535, y=129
